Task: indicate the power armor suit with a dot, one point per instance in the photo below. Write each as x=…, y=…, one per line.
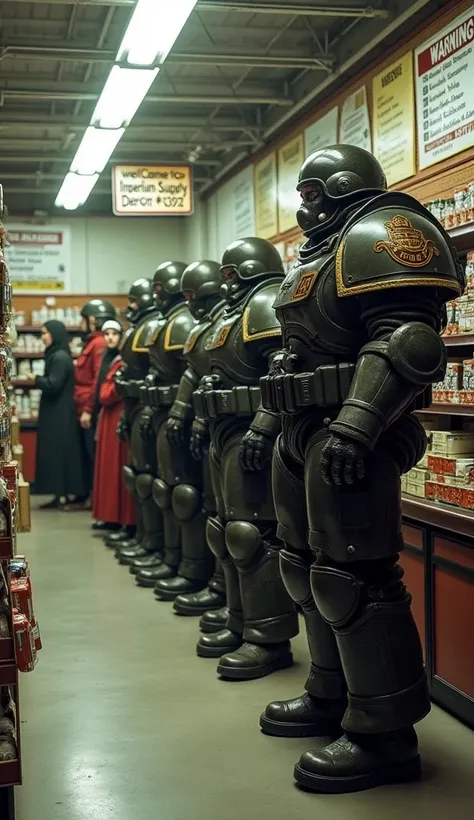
x=361, y=313
x=187, y=563
x=144, y=316
x=200, y=285
x=243, y=533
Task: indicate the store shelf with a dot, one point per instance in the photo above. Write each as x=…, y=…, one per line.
x=22, y=383
x=20, y=354
x=37, y=328
x=463, y=237
x=454, y=519
x=448, y=410
x=459, y=340
x=28, y=424
x=10, y=774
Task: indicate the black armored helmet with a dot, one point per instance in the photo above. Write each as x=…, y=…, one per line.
x=245, y=262
x=167, y=284
x=100, y=310
x=331, y=180
x=140, y=299
x=201, y=284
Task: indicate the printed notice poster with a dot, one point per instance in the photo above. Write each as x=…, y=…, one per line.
x=39, y=258
x=290, y=160
x=243, y=202
x=354, y=128
x=152, y=190
x=321, y=133
x=444, y=68
x=394, y=119
x=265, y=188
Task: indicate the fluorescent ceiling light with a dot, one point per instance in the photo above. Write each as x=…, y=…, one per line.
x=75, y=190
x=121, y=96
x=153, y=30
x=95, y=149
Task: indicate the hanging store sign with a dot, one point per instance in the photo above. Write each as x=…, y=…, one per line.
x=354, y=128
x=290, y=160
x=321, y=133
x=394, y=119
x=265, y=193
x=445, y=91
x=152, y=190
x=39, y=258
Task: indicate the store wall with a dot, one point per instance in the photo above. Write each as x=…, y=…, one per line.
x=230, y=213
x=108, y=253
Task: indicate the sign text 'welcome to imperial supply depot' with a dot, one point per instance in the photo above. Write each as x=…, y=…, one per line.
x=152, y=190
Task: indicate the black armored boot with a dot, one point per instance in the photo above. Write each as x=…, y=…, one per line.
x=214, y=644
x=214, y=620
x=270, y=617
x=319, y=711
x=210, y=598
x=152, y=541
x=387, y=689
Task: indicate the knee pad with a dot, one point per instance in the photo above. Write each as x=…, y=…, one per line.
x=215, y=534
x=295, y=573
x=129, y=478
x=144, y=484
x=243, y=540
x=161, y=494
x=186, y=502
x=337, y=594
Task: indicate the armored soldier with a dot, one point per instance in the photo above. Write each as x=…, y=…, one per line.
x=261, y=618
x=192, y=499
x=175, y=487
x=144, y=317
x=361, y=314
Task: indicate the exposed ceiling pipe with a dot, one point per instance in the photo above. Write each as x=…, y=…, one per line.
x=23, y=93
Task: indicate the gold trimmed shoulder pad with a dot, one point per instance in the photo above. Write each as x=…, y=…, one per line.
x=259, y=319
x=178, y=328
x=394, y=246
x=146, y=333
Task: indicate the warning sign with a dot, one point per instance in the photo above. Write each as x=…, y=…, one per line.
x=152, y=190
x=39, y=258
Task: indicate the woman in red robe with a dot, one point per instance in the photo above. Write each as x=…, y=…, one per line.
x=111, y=501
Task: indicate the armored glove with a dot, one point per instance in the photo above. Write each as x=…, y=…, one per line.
x=145, y=425
x=343, y=460
x=211, y=382
x=122, y=428
x=199, y=439
x=255, y=451
x=175, y=432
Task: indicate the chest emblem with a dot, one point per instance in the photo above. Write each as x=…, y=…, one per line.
x=405, y=244
x=219, y=337
x=304, y=286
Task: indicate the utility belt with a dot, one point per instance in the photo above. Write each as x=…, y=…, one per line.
x=327, y=386
x=238, y=401
x=157, y=395
x=127, y=390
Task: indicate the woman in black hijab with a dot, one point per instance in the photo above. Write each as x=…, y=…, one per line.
x=59, y=467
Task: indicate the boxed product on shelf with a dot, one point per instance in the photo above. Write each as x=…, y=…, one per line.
x=415, y=482
x=446, y=391
x=461, y=468
x=24, y=509
x=449, y=443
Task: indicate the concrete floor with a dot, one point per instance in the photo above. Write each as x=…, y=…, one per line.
x=121, y=721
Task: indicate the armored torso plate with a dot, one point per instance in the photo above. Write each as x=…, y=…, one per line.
x=133, y=349
x=195, y=350
x=244, y=335
x=166, y=344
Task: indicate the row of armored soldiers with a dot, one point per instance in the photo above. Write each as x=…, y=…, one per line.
x=206, y=520
x=270, y=419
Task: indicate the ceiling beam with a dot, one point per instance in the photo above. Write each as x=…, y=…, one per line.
x=18, y=159
x=17, y=143
x=15, y=122
x=188, y=99
x=85, y=55
x=18, y=189
x=307, y=10
x=40, y=175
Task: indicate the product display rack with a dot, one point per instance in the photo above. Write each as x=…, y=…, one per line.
x=439, y=560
